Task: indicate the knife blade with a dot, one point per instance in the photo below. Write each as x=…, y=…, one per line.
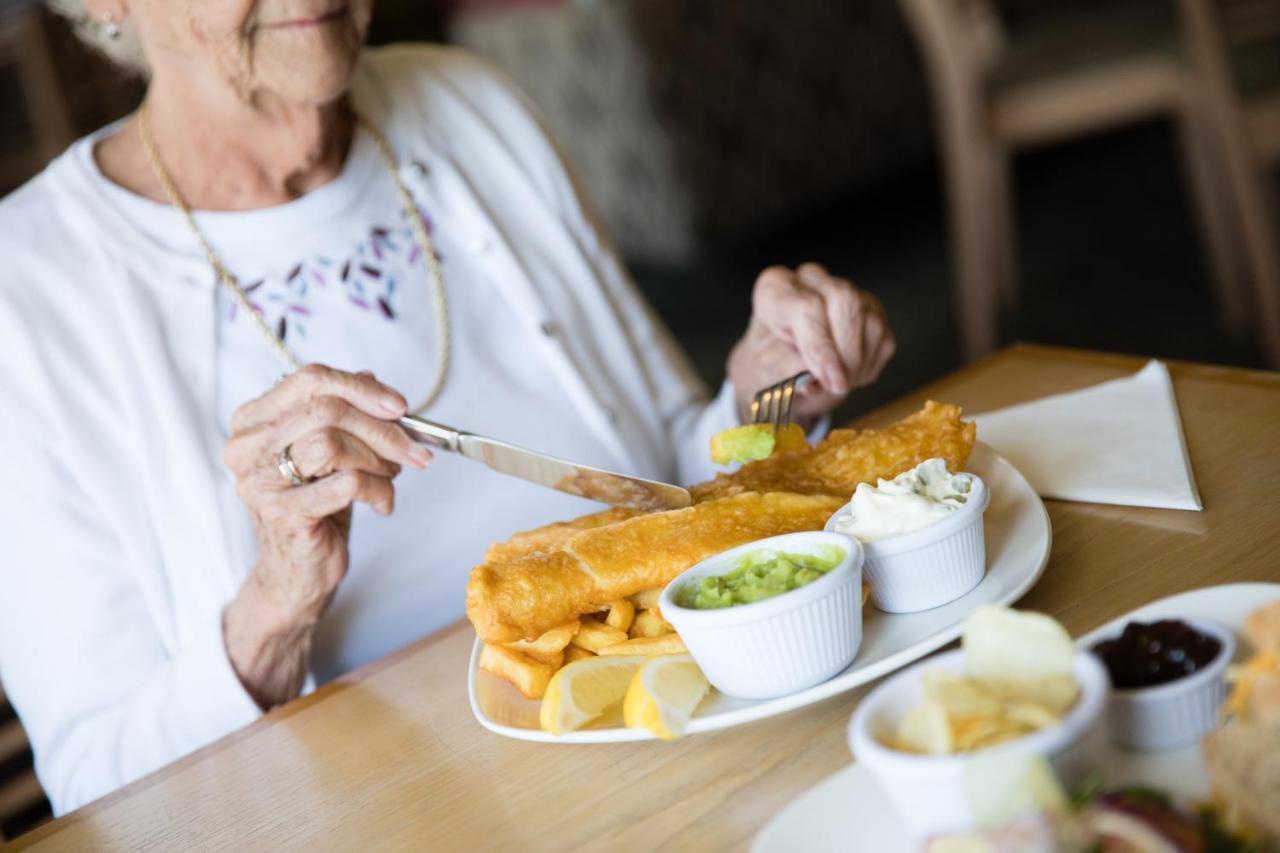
x=582, y=480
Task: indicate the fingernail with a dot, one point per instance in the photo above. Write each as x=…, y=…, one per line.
x=392, y=406
x=419, y=455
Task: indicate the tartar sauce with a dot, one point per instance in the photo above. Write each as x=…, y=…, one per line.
x=910, y=501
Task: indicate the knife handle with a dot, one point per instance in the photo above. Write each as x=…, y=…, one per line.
x=434, y=434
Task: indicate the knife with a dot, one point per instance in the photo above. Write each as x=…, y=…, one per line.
x=568, y=477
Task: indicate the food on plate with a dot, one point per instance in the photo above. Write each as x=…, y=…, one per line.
x=1243, y=756
x=1146, y=654
x=522, y=598
x=1125, y=820
x=530, y=665
x=582, y=691
x=548, y=539
x=1017, y=680
x=546, y=647
x=542, y=580
x=594, y=635
x=649, y=623
x=646, y=599
x=573, y=653
x=530, y=676
x=910, y=501
x=848, y=457
x=621, y=613
x=758, y=575
x=665, y=644
x=663, y=695
x=755, y=441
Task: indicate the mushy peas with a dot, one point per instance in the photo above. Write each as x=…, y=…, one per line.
x=759, y=575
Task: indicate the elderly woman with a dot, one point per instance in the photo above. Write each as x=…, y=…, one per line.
x=194, y=527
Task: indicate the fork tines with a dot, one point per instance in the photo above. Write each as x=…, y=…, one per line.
x=772, y=405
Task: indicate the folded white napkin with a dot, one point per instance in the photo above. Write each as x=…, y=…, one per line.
x=1116, y=443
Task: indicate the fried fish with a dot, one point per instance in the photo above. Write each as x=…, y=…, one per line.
x=523, y=597
x=848, y=457
x=547, y=577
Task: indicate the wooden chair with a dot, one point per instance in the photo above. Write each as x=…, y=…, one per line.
x=1235, y=47
x=20, y=791
x=1071, y=75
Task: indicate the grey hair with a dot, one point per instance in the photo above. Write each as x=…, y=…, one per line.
x=125, y=50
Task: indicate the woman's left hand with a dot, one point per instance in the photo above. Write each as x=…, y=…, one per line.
x=807, y=319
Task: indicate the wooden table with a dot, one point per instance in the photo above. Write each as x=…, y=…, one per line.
x=390, y=756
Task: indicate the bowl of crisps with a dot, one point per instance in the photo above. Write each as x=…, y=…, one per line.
x=781, y=643
x=953, y=737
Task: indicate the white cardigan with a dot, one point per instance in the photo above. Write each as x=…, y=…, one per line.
x=121, y=538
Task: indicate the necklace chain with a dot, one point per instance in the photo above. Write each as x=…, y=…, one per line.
x=434, y=275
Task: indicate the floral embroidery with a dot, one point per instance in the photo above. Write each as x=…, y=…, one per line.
x=366, y=275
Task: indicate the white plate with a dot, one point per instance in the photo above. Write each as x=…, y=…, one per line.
x=1018, y=537
x=846, y=811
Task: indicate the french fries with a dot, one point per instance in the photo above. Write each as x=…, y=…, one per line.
x=623, y=627
x=594, y=636
x=647, y=599
x=573, y=653
x=550, y=646
x=529, y=676
x=621, y=613
x=649, y=624
x=667, y=644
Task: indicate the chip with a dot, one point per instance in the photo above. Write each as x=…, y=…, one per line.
x=620, y=614
x=1009, y=645
x=925, y=729
x=649, y=624
x=1017, y=680
x=667, y=644
x=594, y=636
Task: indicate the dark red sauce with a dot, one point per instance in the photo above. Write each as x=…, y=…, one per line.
x=1150, y=653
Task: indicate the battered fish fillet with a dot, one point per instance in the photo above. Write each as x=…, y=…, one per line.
x=553, y=536
x=544, y=578
x=848, y=457
x=522, y=598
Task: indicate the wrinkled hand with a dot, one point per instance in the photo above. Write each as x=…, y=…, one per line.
x=807, y=319
x=343, y=438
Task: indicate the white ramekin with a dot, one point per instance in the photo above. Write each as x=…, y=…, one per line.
x=929, y=567
x=1176, y=714
x=934, y=794
x=782, y=644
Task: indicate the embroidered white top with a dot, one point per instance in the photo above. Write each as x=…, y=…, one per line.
x=121, y=537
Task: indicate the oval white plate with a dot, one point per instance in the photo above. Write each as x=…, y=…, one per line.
x=846, y=811
x=1018, y=537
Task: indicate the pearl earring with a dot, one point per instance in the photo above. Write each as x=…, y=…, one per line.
x=110, y=28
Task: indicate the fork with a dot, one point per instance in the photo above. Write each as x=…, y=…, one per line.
x=772, y=405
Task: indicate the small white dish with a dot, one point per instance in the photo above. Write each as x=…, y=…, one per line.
x=929, y=567
x=1178, y=713
x=936, y=793
x=848, y=811
x=782, y=644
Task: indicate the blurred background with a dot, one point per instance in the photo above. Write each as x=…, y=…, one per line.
x=1093, y=173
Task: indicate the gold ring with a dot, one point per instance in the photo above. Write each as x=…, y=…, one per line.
x=288, y=469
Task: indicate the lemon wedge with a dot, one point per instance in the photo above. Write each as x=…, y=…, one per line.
x=583, y=690
x=664, y=694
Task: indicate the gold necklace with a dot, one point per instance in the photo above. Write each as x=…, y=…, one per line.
x=432, y=261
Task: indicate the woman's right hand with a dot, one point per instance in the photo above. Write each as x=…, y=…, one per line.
x=342, y=433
